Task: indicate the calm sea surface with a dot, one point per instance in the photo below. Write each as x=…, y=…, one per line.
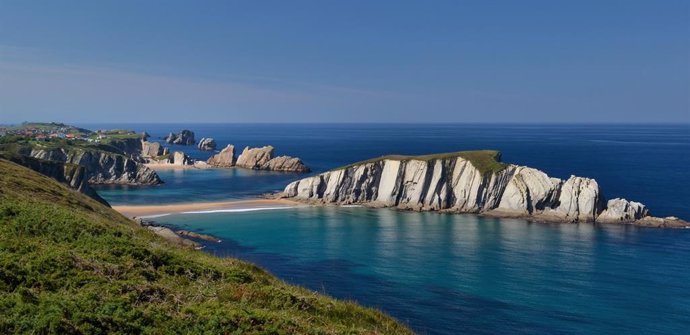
x=446, y=274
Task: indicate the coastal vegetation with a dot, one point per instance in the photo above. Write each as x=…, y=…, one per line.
x=486, y=161
x=72, y=265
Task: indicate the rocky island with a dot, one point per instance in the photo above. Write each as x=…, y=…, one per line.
x=257, y=159
x=470, y=182
x=207, y=144
x=184, y=137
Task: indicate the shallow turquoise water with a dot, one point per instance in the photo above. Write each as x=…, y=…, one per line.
x=445, y=274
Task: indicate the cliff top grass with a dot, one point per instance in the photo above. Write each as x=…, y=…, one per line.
x=52, y=126
x=486, y=161
x=24, y=145
x=70, y=265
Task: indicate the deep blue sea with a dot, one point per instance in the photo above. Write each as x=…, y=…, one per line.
x=449, y=274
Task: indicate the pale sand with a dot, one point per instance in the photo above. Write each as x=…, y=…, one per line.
x=167, y=166
x=253, y=204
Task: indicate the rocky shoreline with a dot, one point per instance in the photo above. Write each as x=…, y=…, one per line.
x=473, y=182
x=178, y=236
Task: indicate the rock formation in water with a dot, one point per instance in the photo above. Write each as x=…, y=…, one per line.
x=102, y=167
x=226, y=157
x=72, y=175
x=207, y=144
x=257, y=159
x=180, y=158
x=152, y=149
x=184, y=137
x=470, y=182
x=263, y=159
x=285, y=164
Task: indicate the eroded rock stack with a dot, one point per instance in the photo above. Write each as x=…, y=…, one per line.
x=207, y=144
x=180, y=158
x=184, y=137
x=226, y=157
x=454, y=183
x=257, y=159
x=152, y=149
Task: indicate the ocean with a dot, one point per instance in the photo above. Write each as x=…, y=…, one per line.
x=449, y=274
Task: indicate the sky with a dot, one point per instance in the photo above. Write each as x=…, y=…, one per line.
x=345, y=61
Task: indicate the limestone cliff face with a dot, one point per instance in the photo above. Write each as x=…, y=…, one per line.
x=152, y=149
x=131, y=147
x=72, y=175
x=455, y=184
x=226, y=157
x=102, y=167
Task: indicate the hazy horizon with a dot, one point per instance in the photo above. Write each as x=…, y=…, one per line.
x=587, y=62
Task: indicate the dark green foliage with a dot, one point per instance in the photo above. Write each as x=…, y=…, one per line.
x=69, y=265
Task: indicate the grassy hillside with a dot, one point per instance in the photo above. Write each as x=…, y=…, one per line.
x=71, y=265
x=486, y=161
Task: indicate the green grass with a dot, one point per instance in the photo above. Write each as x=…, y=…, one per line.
x=23, y=145
x=69, y=265
x=486, y=161
x=122, y=136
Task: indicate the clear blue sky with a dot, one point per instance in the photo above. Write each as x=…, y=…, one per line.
x=345, y=61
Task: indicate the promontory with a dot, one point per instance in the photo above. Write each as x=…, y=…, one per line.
x=471, y=182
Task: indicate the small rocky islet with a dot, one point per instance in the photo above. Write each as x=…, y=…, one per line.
x=257, y=159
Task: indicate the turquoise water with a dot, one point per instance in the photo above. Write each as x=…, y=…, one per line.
x=448, y=274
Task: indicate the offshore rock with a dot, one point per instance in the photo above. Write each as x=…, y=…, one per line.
x=180, y=158
x=184, y=137
x=469, y=182
x=263, y=159
x=255, y=158
x=618, y=210
x=286, y=164
x=207, y=144
x=226, y=157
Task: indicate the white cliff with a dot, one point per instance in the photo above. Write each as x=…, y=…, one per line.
x=102, y=167
x=467, y=182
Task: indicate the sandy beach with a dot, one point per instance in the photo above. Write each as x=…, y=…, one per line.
x=252, y=204
x=168, y=166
